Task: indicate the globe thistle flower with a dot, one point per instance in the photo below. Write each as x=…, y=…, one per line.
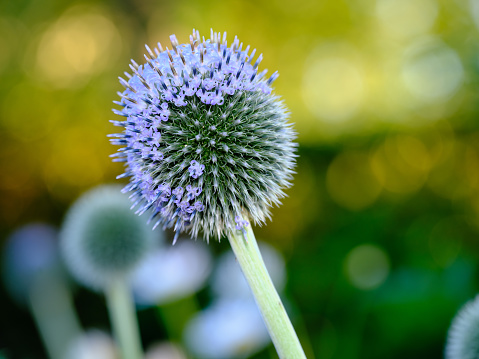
x=102, y=243
x=463, y=336
x=101, y=239
x=207, y=147
x=206, y=144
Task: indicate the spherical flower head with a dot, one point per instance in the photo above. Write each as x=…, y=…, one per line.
x=463, y=335
x=93, y=343
x=205, y=140
x=101, y=238
x=30, y=252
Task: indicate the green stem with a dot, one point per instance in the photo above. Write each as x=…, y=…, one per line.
x=123, y=318
x=52, y=308
x=274, y=315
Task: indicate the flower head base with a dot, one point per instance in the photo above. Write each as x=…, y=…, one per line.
x=200, y=117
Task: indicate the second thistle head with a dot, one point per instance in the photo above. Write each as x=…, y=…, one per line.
x=206, y=143
x=463, y=334
x=101, y=239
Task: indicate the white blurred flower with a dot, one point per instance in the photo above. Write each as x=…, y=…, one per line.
x=227, y=329
x=171, y=273
x=228, y=281
x=165, y=350
x=94, y=344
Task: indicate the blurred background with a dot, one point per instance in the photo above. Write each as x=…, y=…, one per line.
x=379, y=233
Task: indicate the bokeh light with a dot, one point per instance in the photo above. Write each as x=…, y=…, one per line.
x=9, y=27
x=168, y=274
x=165, y=350
x=333, y=83
x=93, y=344
x=227, y=329
x=431, y=70
x=401, y=164
x=407, y=18
x=351, y=182
x=367, y=266
x=79, y=44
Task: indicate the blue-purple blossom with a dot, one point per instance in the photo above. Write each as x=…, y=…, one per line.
x=196, y=169
x=204, y=138
x=240, y=223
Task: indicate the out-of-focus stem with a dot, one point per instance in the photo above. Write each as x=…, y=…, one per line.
x=123, y=318
x=52, y=308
